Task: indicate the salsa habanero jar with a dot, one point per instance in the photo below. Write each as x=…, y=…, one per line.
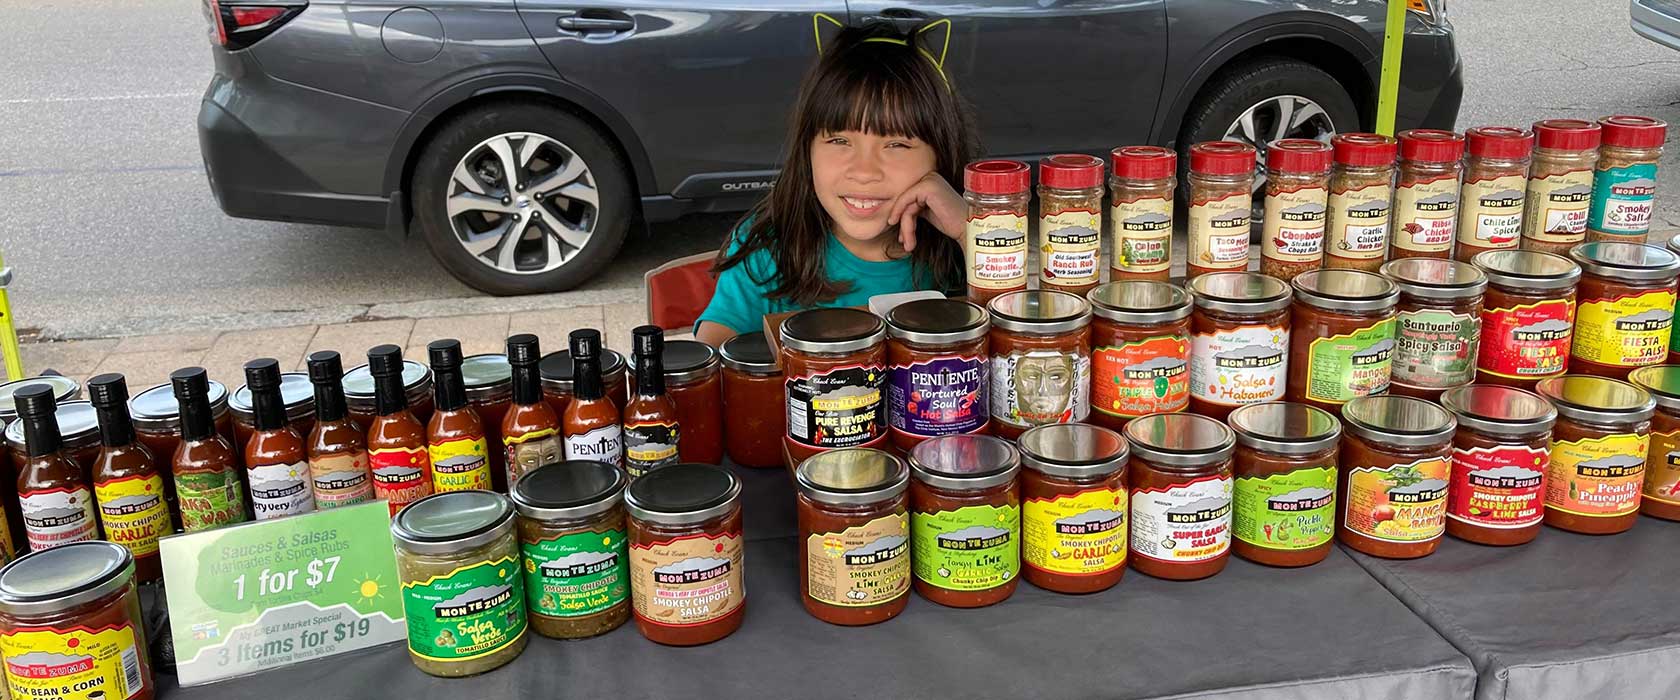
x=835, y=363
x=1239, y=341
x=1438, y=324
x=965, y=520
x=1500, y=456
x=1624, y=307
x=1396, y=466
x=1599, y=445
x=937, y=365
x=1284, y=511
x=572, y=536
x=1140, y=351
x=1528, y=317
x=752, y=398
x=1040, y=347
x=1661, y=495
x=854, y=536
x=686, y=545
x=75, y=607
x=1073, y=507
x=1181, y=487
x=1342, y=340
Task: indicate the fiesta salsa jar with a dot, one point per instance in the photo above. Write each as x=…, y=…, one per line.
x=1599, y=446
x=1181, y=487
x=1661, y=495
x=1342, y=340
x=1040, y=347
x=1500, y=456
x=965, y=520
x=1239, y=341
x=1073, y=507
x=835, y=367
x=1528, y=317
x=752, y=399
x=937, y=366
x=1284, y=503
x=1140, y=351
x=1438, y=324
x=1624, y=307
x=1396, y=466
x=854, y=536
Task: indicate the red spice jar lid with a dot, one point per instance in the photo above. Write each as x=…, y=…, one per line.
x=1071, y=171
x=1629, y=131
x=1566, y=134
x=1298, y=156
x=1144, y=162
x=1499, y=142
x=1363, y=150
x=1222, y=158
x=997, y=177
x=1431, y=145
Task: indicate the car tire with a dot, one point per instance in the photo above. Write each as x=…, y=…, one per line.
x=555, y=137
x=1250, y=85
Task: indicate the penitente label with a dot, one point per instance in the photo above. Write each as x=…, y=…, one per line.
x=209, y=499
x=1290, y=511
x=459, y=465
x=279, y=490
x=1627, y=331
x=1294, y=226
x=1183, y=523
x=1598, y=477
x=1557, y=207
x=1243, y=365
x=401, y=475
x=1344, y=367
x=974, y=548
x=1071, y=253
x=1435, y=348
x=997, y=251
x=1621, y=200
x=843, y=407
x=1078, y=534
x=687, y=581
x=1359, y=223
x=1143, y=377
x=1530, y=341
x=1493, y=212
x=1219, y=232
x=1662, y=468
x=942, y=396
x=604, y=444
x=134, y=513
x=860, y=566
x=470, y=612
x=578, y=574
x=74, y=663
x=1498, y=487
x=1142, y=235
x=1402, y=503
x=649, y=446
x=1426, y=215
x=340, y=479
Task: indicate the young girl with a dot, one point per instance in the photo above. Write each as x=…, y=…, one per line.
x=864, y=204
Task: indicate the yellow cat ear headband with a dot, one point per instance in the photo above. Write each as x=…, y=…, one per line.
x=927, y=30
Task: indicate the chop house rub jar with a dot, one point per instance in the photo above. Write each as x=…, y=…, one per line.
x=995, y=242
x=1284, y=504
x=71, y=626
x=1661, y=495
x=1528, y=317
x=1070, y=209
x=1141, y=211
x=1624, y=307
x=1181, y=487
x=1560, y=185
x=1040, y=346
x=1342, y=343
x=1625, y=181
x=572, y=536
x=1438, y=324
x=1073, y=507
x=1361, y=192
x=1500, y=457
x=1425, y=221
x=835, y=362
x=965, y=520
x=462, y=585
x=1140, y=351
x=687, y=584
x=854, y=536
x=1221, y=197
x=1599, y=446
x=752, y=401
x=1239, y=341
x=1396, y=464
x=1297, y=194
x=937, y=367
x=1493, y=195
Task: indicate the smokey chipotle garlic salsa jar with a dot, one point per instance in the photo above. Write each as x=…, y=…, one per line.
x=1599, y=446
x=1140, y=351
x=1661, y=496
x=965, y=520
x=1239, y=341
x=1528, y=317
x=1624, y=307
x=1438, y=324
x=854, y=536
x=687, y=581
x=1040, y=346
x=835, y=369
x=1284, y=510
x=1500, y=456
x=1342, y=337
x=1073, y=507
x=1181, y=486
x=936, y=370
x=1396, y=466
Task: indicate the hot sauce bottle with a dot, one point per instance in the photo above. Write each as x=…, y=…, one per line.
x=402, y=471
x=338, y=458
x=530, y=430
x=57, y=505
x=133, y=507
x=591, y=420
x=650, y=419
x=207, y=481
x=275, y=459
x=455, y=433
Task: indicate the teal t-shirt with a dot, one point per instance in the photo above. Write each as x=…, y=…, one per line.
x=741, y=301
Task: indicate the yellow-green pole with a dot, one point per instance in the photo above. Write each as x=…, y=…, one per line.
x=1388, y=91
x=8, y=330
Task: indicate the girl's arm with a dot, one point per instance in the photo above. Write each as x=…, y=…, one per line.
x=933, y=199
x=713, y=333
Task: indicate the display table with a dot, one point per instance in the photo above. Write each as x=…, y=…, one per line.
x=1567, y=616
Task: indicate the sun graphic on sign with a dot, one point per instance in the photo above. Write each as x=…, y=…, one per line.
x=369, y=589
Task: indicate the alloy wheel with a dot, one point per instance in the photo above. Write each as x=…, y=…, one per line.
x=1280, y=117
x=522, y=203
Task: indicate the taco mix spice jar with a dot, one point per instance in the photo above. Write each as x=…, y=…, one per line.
x=1396, y=466
x=1528, y=317
x=1624, y=307
x=1140, y=351
x=1221, y=192
x=1285, y=492
x=1599, y=445
x=1181, y=487
x=1239, y=341
x=1426, y=197
x=1500, y=457
x=1140, y=211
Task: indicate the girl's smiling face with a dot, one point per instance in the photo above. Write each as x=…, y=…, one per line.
x=858, y=175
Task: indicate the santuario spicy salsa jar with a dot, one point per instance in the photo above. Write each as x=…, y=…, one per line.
x=573, y=538
x=965, y=520
x=1396, y=466
x=835, y=362
x=70, y=625
x=1239, y=341
x=1040, y=347
x=1438, y=324
x=1500, y=456
x=854, y=536
x=752, y=400
x=1342, y=337
x=1073, y=507
x=1181, y=486
x=1599, y=446
x=687, y=550
x=1141, y=211
x=1528, y=317
x=1284, y=504
x=462, y=584
x=1661, y=495
x=1624, y=307
x=1140, y=351
x=937, y=370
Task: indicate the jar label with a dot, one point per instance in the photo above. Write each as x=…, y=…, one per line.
x=860, y=566
x=459, y=465
x=582, y=573
x=468, y=613
x=341, y=479
x=1621, y=199
x=1290, y=511
x=997, y=252
x=1143, y=235
x=1040, y=387
x=1557, y=206
x=279, y=490
x=1219, y=232
x=1341, y=368
x=1493, y=211
x=974, y=548
x=1294, y=226
x=210, y=499
x=942, y=396
x=1359, y=223
x=400, y=475
x=59, y=516
x=1072, y=248
x=1498, y=487
x=687, y=581
x=1627, y=331
x=649, y=446
x=1243, y=365
x=531, y=450
x=1183, y=523
x=1426, y=215
x=1597, y=477
x=839, y=408
x=1526, y=342
x=1140, y=378
x=74, y=663
x=1662, y=468
x=1079, y=534
x=1435, y=349
x=134, y=512
x=603, y=444
x=1402, y=503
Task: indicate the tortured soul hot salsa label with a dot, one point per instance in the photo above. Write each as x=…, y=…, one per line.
x=1530, y=341
x=1076, y=533
x=1597, y=477
x=942, y=396
x=1341, y=368
x=860, y=566
x=1139, y=378
x=842, y=407
x=1183, y=523
x=973, y=548
x=1627, y=331
x=1243, y=365
x=1291, y=511
x=1403, y=503
x=1498, y=487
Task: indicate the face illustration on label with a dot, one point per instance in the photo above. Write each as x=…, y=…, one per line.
x=1044, y=386
x=528, y=455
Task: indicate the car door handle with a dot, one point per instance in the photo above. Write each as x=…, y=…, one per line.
x=903, y=19
x=580, y=23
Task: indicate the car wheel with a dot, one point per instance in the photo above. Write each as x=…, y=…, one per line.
x=520, y=198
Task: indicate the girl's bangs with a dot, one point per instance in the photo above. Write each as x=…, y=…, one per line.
x=878, y=100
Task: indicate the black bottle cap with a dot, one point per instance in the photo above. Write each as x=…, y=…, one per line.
x=444, y=354
x=649, y=341
x=586, y=344
x=325, y=367
x=107, y=390
x=36, y=401
x=190, y=382
x=262, y=374
x=522, y=349
x=385, y=361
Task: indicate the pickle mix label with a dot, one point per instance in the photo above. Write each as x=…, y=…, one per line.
x=470, y=612
x=1493, y=212
x=997, y=251
x=1344, y=367
x=1077, y=534
x=1072, y=250
x=531, y=450
x=1557, y=207
x=603, y=444
x=209, y=500
x=1183, y=523
x=942, y=396
x=341, y=480
x=687, y=581
x=1136, y=379
x=1404, y=503
x=841, y=408
x=860, y=566
x=1359, y=222
x=1628, y=331
x=974, y=548
x=1426, y=215
x=1436, y=349
x=401, y=476
x=1219, y=232
x=1599, y=477
x=134, y=513
x=1143, y=235
x=1662, y=476
x=279, y=490
x=1289, y=511
x=1294, y=228
x=1041, y=387
x=1621, y=200
x=1248, y=364
x=649, y=446
x=1498, y=487
x=458, y=465
x=1526, y=342
x=578, y=574
x=73, y=664
x=60, y=516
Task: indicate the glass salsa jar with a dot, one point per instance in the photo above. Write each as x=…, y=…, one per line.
x=1140, y=351
x=694, y=380
x=1396, y=464
x=1221, y=199
x=936, y=370
x=1438, y=324
x=1140, y=211
x=1528, y=317
x=70, y=621
x=965, y=519
x=1661, y=496
x=1624, y=307
x=417, y=387
x=835, y=361
x=1342, y=344
x=296, y=393
x=1070, y=212
x=1239, y=341
x=1040, y=346
x=1560, y=184
x=995, y=239
x=78, y=428
x=854, y=536
x=1625, y=179
x=1426, y=196
x=1284, y=509
x=687, y=580
x=573, y=538
x=1361, y=192
x=157, y=421
x=1297, y=196
x=752, y=398
x=556, y=371
x=1181, y=486
x=1599, y=446
x=64, y=389
x=458, y=559
x=1500, y=452
x=488, y=379
x=1073, y=507
x=1495, y=182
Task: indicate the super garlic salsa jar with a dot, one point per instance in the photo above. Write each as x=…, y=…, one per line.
x=1599, y=445
x=1181, y=495
x=1624, y=307
x=1500, y=456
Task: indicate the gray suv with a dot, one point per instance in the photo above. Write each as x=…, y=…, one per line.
x=520, y=138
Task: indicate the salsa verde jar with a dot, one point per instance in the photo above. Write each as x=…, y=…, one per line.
x=1181, y=485
x=1284, y=510
x=1342, y=345
x=937, y=364
x=854, y=536
x=1396, y=467
x=1140, y=351
x=1500, y=456
x=573, y=539
x=1599, y=446
x=965, y=519
x=752, y=400
x=1624, y=307
x=1661, y=495
x=687, y=581
x=458, y=559
x=1528, y=317
x=835, y=361
x=1438, y=324
x=1040, y=345
x=1073, y=510
x=1239, y=341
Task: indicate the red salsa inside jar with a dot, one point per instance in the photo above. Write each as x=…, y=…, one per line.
x=1624, y=307
x=1528, y=316
x=854, y=536
x=1599, y=446
x=965, y=520
x=1140, y=351
x=687, y=582
x=1661, y=496
x=1396, y=466
x=1500, y=454
x=1285, y=493
x=695, y=382
x=752, y=400
x=1041, y=360
x=1181, y=484
x=936, y=377
x=835, y=369
x=1073, y=507
x=77, y=604
x=1239, y=341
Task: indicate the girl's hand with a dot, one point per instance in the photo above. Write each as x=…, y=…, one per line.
x=933, y=199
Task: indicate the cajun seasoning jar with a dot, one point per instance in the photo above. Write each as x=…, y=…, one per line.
x=1661, y=495
x=1181, y=485
x=1040, y=346
x=1625, y=180
x=936, y=377
x=1221, y=197
x=1528, y=317
x=965, y=520
x=458, y=558
x=1073, y=508
x=1438, y=324
x=854, y=536
x=359, y=394
x=1239, y=342
x=836, y=366
x=1396, y=466
x=686, y=554
x=1599, y=446
x=573, y=538
x=1492, y=199
x=556, y=372
x=1426, y=199
x=489, y=382
x=1361, y=190
x=296, y=393
x=1297, y=193
x=51, y=603
x=1284, y=507
x=694, y=380
x=157, y=420
x=1141, y=211
x=1560, y=185
x=1500, y=456
x=752, y=398
x=1343, y=339
x=1140, y=356
x=1624, y=307
x=1070, y=209
x=997, y=192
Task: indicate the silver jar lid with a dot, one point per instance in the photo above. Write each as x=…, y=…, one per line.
x=683, y=494
x=1499, y=410
x=1285, y=428
x=64, y=389
x=1435, y=278
x=457, y=521
x=1074, y=450
x=1626, y=261
x=78, y=426
x=1180, y=439
x=1398, y=420
x=965, y=462
x=1345, y=290
x=1139, y=302
x=852, y=476
x=569, y=490
x=1040, y=312
x=1661, y=381
x=296, y=392
x=1239, y=293
x=358, y=385
x=1598, y=400
x=836, y=330
x=487, y=377
x=1527, y=269
x=938, y=322
x=156, y=410
x=65, y=577
x=686, y=361
x=749, y=353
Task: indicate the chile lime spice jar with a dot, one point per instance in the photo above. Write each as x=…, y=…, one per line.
x=1493, y=195
x=1181, y=486
x=854, y=536
x=1500, y=454
x=1140, y=211
x=937, y=370
x=752, y=399
x=965, y=520
x=1070, y=209
x=1560, y=184
x=1425, y=221
x=1599, y=446
x=1624, y=307
x=835, y=362
x=1284, y=503
x=687, y=581
x=1396, y=466
x=1342, y=339
x=1361, y=196
x=1221, y=197
x=1528, y=317
x=1239, y=341
x=1073, y=507
x=1625, y=180
x=1140, y=351
x=995, y=241
x=1040, y=345
x=1438, y=324
x=1661, y=495
x=1297, y=196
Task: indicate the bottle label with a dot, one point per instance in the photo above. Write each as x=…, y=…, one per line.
x=1040, y=387
x=1294, y=226
x=531, y=450
x=460, y=465
x=1426, y=215
x=1662, y=468
x=1137, y=379
x=72, y=663
x=1243, y=365
x=1219, y=232
x=1359, y=223
x=1072, y=248
x=1627, y=331
x=210, y=499
x=860, y=566
x=134, y=513
x=59, y=516
x=1526, y=342
x=401, y=475
x=649, y=446
x=689, y=580
x=1435, y=349
x=943, y=396
x=1183, y=523
x=1498, y=487
x=1621, y=199
x=974, y=548
x=603, y=444
x=842, y=407
x=1597, y=477
x=997, y=252
x=1143, y=235
x=471, y=612
x=1557, y=206
x=1493, y=211
x=341, y=479
x=1402, y=503
x=1344, y=367
x=1079, y=534
x=579, y=574
x=1291, y=511
x=279, y=490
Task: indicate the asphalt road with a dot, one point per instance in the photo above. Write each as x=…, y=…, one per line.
x=112, y=230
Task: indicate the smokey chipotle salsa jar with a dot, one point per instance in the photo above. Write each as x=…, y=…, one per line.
x=687, y=584
x=1528, y=317
x=752, y=400
x=1284, y=510
x=1140, y=351
x=1661, y=496
x=1624, y=307
x=1181, y=487
x=1396, y=466
x=937, y=365
x=965, y=520
x=854, y=536
x=1239, y=341
x=1342, y=340
x=1500, y=456
x=1599, y=446
x=1438, y=324
x=1073, y=507
x=1040, y=347
x=70, y=621
x=835, y=364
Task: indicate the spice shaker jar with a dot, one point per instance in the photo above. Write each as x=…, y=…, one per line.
x=1070, y=209
x=1560, y=185
x=1141, y=211
x=1426, y=198
x=1361, y=193
x=1625, y=180
x=1495, y=179
x=1297, y=194
x=1221, y=201
x=997, y=192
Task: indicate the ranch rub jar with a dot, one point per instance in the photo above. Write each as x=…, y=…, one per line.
x=1297, y=193
x=1342, y=340
x=1426, y=197
x=1239, y=341
x=1492, y=198
x=1500, y=457
x=1040, y=346
x=1221, y=197
x=1599, y=446
x=1624, y=307
x=1361, y=193
x=1140, y=211
x=1560, y=184
x=1528, y=317
x=1438, y=324
x=1625, y=180
x=997, y=192
x=1396, y=467
x=1070, y=212
x=1140, y=356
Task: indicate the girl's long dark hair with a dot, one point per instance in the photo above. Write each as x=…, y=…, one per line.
x=878, y=87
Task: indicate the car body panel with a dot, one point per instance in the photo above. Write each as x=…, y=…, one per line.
x=1657, y=20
